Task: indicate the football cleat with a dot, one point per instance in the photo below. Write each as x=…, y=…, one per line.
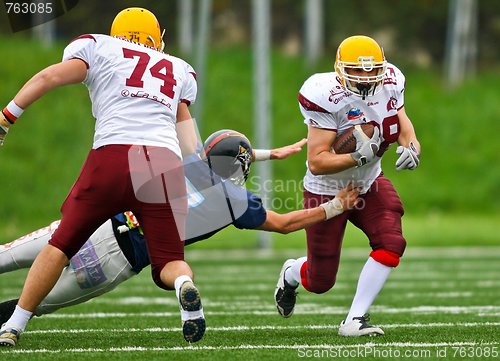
x=193, y=319
x=359, y=326
x=9, y=336
x=284, y=294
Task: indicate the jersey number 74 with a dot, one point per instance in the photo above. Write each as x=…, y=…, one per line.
x=162, y=70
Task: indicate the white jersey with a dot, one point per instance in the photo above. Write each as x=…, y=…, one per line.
x=326, y=104
x=135, y=90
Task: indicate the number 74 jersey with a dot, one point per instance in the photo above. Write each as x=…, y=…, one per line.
x=135, y=90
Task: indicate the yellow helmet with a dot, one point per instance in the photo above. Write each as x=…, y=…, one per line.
x=138, y=25
x=361, y=53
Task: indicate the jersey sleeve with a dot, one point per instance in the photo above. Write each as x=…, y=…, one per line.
x=189, y=91
x=254, y=216
x=396, y=77
x=401, y=89
x=312, y=105
x=81, y=48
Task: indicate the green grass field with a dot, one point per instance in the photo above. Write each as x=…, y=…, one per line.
x=440, y=303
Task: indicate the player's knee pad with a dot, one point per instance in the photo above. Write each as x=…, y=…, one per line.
x=317, y=286
x=303, y=276
x=387, y=258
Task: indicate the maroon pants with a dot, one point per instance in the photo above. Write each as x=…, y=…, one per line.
x=148, y=181
x=378, y=215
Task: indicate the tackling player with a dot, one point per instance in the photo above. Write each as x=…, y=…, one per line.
x=116, y=251
x=364, y=88
x=139, y=96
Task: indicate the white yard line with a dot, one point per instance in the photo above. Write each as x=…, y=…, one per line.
x=301, y=309
x=257, y=301
x=245, y=346
x=260, y=328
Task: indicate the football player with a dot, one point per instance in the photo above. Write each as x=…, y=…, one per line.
x=140, y=100
x=364, y=88
x=116, y=251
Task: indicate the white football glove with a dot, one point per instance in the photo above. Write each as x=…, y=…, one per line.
x=366, y=148
x=409, y=158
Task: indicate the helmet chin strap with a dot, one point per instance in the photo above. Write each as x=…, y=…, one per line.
x=363, y=89
x=160, y=46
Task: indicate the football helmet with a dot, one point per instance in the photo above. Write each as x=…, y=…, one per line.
x=138, y=25
x=229, y=155
x=361, y=53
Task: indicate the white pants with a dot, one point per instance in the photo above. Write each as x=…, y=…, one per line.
x=97, y=268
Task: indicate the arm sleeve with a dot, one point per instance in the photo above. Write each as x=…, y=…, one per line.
x=81, y=48
x=401, y=90
x=254, y=216
x=400, y=83
x=189, y=92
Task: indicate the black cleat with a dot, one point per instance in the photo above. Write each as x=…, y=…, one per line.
x=193, y=319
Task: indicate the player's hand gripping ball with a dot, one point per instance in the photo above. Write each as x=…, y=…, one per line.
x=362, y=142
x=346, y=142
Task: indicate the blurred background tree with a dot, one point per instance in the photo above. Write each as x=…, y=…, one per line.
x=413, y=32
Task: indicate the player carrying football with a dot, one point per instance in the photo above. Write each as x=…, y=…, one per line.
x=364, y=88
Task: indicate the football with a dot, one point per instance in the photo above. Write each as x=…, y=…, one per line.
x=346, y=142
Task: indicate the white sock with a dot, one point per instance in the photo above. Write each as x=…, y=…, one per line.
x=19, y=318
x=292, y=274
x=371, y=280
x=178, y=283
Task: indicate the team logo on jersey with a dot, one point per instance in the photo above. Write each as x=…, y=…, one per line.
x=391, y=104
x=355, y=114
x=338, y=93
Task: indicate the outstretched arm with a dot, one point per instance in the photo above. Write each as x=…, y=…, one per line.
x=68, y=72
x=64, y=73
x=293, y=221
x=278, y=153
